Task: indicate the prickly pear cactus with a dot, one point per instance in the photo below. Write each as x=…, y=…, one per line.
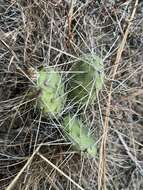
x=87, y=80
x=52, y=97
x=78, y=134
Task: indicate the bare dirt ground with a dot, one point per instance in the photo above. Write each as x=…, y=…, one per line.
x=57, y=32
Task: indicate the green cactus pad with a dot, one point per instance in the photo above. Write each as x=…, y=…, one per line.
x=87, y=80
x=52, y=97
x=78, y=134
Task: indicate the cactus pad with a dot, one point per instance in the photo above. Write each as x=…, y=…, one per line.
x=87, y=80
x=78, y=134
x=52, y=97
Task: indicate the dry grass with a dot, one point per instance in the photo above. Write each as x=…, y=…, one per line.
x=56, y=33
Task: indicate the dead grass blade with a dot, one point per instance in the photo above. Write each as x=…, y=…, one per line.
x=12, y=184
x=60, y=171
x=133, y=158
x=102, y=161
